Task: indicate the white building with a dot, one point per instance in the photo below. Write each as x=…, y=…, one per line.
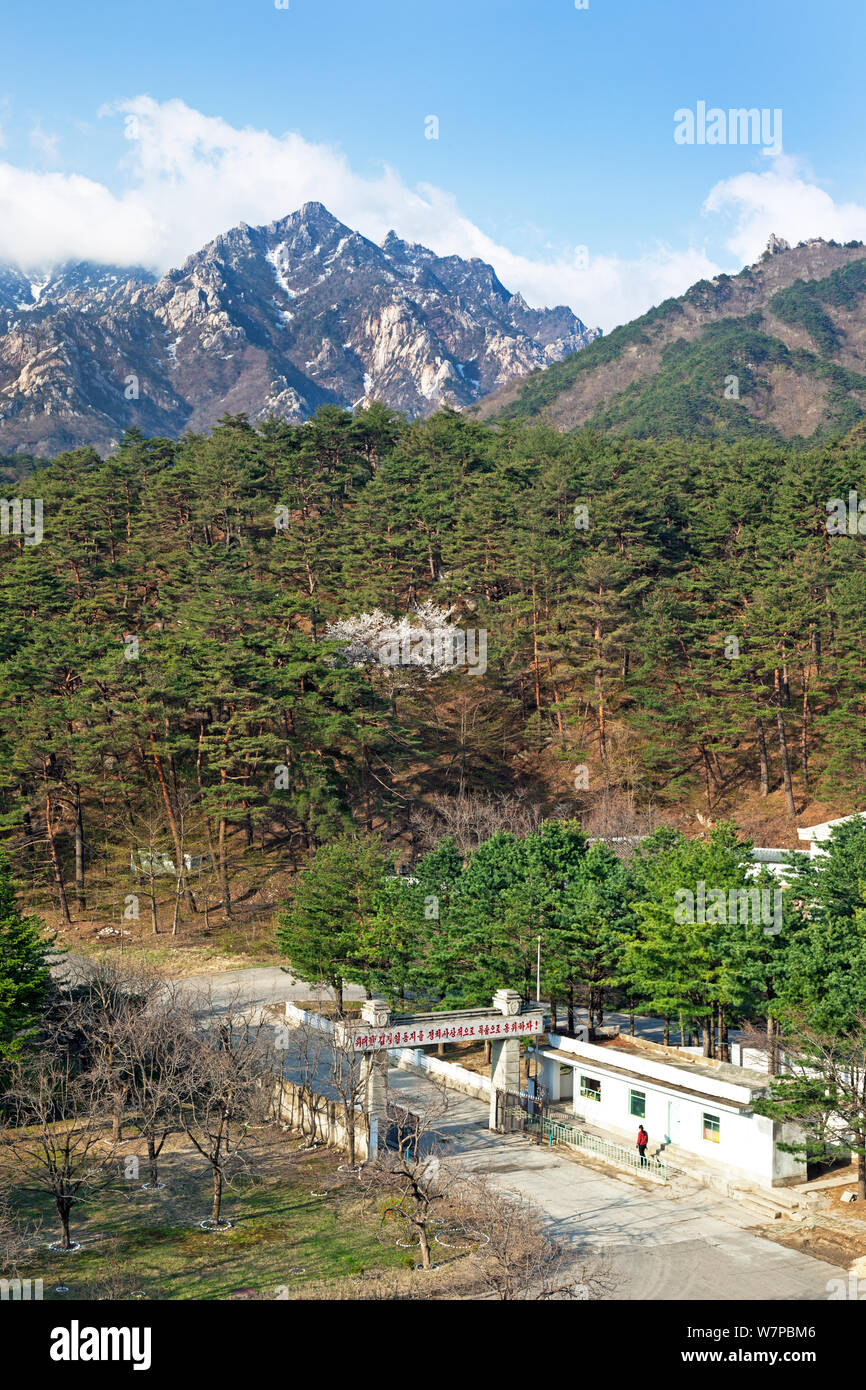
x=816, y=835
x=693, y=1108
x=775, y=861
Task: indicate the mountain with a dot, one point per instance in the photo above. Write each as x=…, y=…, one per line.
x=75, y=284
x=274, y=320
x=778, y=351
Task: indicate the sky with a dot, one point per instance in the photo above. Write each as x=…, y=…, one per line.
x=550, y=140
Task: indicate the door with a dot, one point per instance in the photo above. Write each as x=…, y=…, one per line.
x=673, y=1122
x=566, y=1081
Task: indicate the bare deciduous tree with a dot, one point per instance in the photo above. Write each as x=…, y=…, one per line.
x=614, y=815
x=15, y=1236
x=348, y=1079
x=410, y=1171
x=99, y=1006
x=150, y=1049
x=55, y=1116
x=521, y=1258
x=227, y=1086
x=472, y=817
x=305, y=1054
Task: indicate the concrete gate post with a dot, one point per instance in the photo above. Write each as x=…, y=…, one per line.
x=504, y=1052
x=374, y=1073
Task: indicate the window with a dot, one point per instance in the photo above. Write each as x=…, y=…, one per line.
x=637, y=1104
x=590, y=1087
x=711, y=1128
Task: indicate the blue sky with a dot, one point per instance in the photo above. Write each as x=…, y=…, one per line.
x=555, y=131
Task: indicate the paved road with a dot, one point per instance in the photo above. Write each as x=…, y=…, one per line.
x=256, y=985
x=681, y=1241
x=268, y=984
x=260, y=985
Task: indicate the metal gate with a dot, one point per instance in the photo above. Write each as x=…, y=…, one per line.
x=402, y=1131
x=521, y=1112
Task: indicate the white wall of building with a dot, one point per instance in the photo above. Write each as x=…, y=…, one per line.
x=746, y=1144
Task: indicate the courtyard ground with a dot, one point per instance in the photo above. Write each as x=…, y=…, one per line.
x=284, y=1237
x=678, y=1241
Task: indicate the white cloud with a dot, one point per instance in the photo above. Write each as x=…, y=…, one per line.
x=784, y=200
x=192, y=176
x=45, y=218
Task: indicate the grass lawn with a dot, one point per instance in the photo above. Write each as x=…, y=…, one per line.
x=148, y=1244
x=176, y=956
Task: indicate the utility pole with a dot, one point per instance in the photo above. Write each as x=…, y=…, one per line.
x=538, y=973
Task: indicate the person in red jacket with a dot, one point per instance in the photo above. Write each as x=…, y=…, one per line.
x=642, y=1141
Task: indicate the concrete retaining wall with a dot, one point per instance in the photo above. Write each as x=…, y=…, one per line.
x=456, y=1078
x=319, y=1118
x=298, y=1016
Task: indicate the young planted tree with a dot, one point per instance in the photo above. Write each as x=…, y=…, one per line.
x=522, y=1259
x=105, y=1007
x=15, y=1236
x=348, y=1079
x=227, y=1086
x=150, y=1048
x=409, y=1173
x=304, y=1053
x=55, y=1117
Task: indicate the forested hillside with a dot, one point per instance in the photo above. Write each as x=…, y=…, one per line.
x=775, y=352
x=672, y=623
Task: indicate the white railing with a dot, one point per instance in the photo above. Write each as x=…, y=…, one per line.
x=560, y=1132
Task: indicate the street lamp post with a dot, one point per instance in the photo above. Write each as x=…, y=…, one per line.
x=538, y=999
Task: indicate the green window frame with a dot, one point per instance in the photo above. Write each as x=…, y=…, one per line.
x=637, y=1104
x=712, y=1128
x=590, y=1087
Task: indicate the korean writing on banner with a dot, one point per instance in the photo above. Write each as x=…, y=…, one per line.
x=425, y=1034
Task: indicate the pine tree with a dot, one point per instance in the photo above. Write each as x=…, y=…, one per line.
x=25, y=972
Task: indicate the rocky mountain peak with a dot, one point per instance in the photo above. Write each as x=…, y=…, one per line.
x=272, y=320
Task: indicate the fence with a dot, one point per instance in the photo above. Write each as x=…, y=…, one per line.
x=321, y=1119
x=297, y=1017
x=560, y=1132
x=457, y=1078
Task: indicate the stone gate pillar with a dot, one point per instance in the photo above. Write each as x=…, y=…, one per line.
x=374, y=1073
x=504, y=1052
